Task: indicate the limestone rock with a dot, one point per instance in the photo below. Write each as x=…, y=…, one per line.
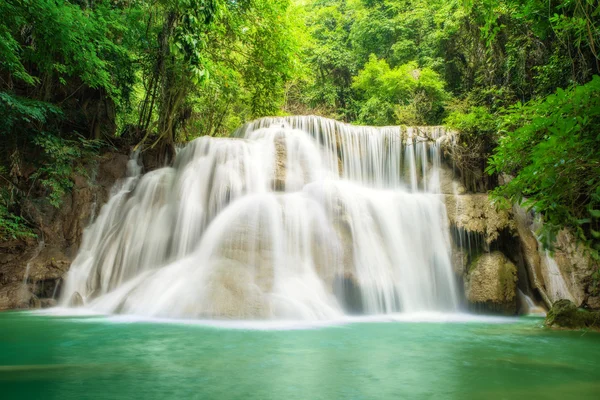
x=491, y=284
x=234, y=292
x=576, y=267
x=476, y=213
x=531, y=252
x=565, y=274
x=48, y=303
x=76, y=300
x=459, y=259
x=15, y=295
x=280, y=164
x=448, y=183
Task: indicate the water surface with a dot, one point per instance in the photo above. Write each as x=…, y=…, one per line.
x=61, y=357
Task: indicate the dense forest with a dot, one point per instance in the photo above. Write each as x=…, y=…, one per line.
x=517, y=78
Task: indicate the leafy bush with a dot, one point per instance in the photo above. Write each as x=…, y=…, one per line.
x=13, y=226
x=406, y=94
x=478, y=134
x=552, y=149
x=63, y=159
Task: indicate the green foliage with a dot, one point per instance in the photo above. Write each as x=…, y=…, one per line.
x=476, y=121
x=344, y=35
x=63, y=158
x=477, y=127
x=166, y=70
x=552, y=148
x=62, y=40
x=406, y=94
x=13, y=226
x=20, y=113
x=170, y=70
x=56, y=156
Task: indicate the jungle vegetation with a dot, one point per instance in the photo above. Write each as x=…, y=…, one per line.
x=517, y=78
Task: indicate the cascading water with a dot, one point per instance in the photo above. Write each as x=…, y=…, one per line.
x=296, y=218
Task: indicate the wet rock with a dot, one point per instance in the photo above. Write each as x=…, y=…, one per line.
x=531, y=252
x=565, y=274
x=280, y=164
x=233, y=292
x=448, y=183
x=459, y=259
x=15, y=295
x=491, y=284
x=576, y=266
x=35, y=303
x=565, y=314
x=48, y=303
x=475, y=213
x=76, y=300
x=593, y=302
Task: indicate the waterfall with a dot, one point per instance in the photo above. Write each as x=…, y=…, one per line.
x=528, y=306
x=293, y=218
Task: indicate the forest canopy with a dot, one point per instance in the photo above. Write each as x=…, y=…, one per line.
x=517, y=78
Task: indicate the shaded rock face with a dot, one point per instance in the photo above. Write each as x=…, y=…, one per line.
x=483, y=253
x=491, y=283
x=566, y=274
x=565, y=314
x=31, y=271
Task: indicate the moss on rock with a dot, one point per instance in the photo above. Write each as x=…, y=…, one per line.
x=565, y=314
x=491, y=284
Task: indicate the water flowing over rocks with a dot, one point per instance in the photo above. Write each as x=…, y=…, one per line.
x=565, y=274
x=295, y=217
x=299, y=217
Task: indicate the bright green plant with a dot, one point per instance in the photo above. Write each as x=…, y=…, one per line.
x=406, y=94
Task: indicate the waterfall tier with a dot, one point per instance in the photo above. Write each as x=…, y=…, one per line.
x=295, y=218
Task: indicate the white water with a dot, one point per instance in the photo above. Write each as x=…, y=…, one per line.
x=556, y=287
x=528, y=306
x=35, y=254
x=297, y=218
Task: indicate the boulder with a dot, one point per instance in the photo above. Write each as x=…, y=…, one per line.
x=491, y=284
x=532, y=254
x=565, y=314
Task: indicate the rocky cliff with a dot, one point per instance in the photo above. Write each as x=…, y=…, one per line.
x=31, y=270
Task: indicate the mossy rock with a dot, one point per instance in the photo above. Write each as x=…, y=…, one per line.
x=565, y=314
x=491, y=284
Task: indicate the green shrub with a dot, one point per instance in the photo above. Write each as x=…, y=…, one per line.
x=551, y=148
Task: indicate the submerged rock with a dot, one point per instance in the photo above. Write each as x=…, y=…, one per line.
x=48, y=303
x=491, y=284
x=76, y=300
x=565, y=314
